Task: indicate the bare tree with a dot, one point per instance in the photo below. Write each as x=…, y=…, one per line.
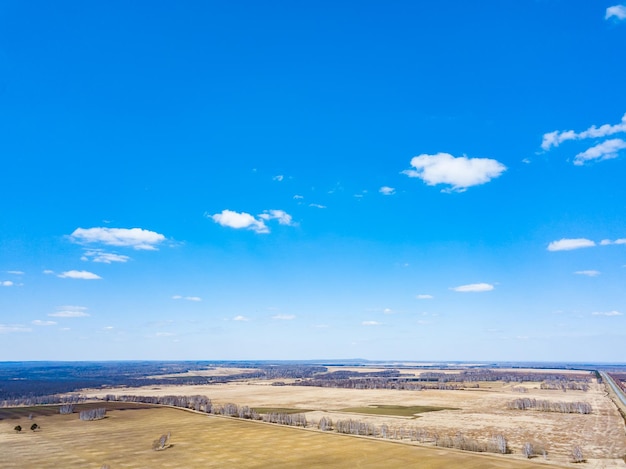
x=528, y=450
x=577, y=454
x=162, y=443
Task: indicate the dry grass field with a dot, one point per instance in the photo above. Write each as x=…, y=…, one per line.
x=479, y=413
x=123, y=440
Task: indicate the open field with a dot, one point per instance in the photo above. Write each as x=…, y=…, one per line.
x=480, y=412
x=123, y=440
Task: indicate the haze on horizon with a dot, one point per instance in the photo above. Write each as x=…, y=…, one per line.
x=293, y=180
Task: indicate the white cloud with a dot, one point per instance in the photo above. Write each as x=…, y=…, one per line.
x=460, y=173
x=79, y=274
x=602, y=151
x=588, y=273
x=98, y=255
x=38, y=322
x=387, y=311
x=297, y=197
x=278, y=178
x=317, y=206
x=568, y=244
x=386, y=190
x=371, y=323
x=240, y=318
x=164, y=334
x=283, y=217
x=284, y=317
x=15, y=272
x=7, y=283
x=607, y=242
x=554, y=139
x=70, y=312
x=48, y=272
x=473, y=287
x=617, y=11
x=424, y=297
x=8, y=328
x=188, y=298
x=136, y=238
x=608, y=313
x=240, y=220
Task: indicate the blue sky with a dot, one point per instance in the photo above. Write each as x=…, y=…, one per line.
x=303, y=180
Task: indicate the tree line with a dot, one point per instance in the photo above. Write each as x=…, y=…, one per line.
x=550, y=406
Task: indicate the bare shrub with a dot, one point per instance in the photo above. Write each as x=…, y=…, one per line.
x=162, y=443
x=577, y=454
x=93, y=414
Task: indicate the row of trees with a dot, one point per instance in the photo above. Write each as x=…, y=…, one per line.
x=565, y=385
x=551, y=406
x=497, y=444
x=93, y=414
x=41, y=400
x=378, y=383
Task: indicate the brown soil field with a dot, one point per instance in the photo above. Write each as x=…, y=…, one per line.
x=481, y=413
x=123, y=440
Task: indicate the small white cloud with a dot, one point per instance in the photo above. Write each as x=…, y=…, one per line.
x=7, y=283
x=38, y=322
x=386, y=190
x=616, y=11
x=97, y=255
x=240, y=318
x=321, y=326
x=70, y=312
x=284, y=317
x=554, y=139
x=283, y=217
x=48, y=272
x=136, y=238
x=459, y=173
x=278, y=177
x=387, y=311
x=9, y=328
x=588, y=273
x=15, y=272
x=79, y=274
x=239, y=220
x=317, y=206
x=526, y=161
x=188, y=298
x=298, y=197
x=164, y=334
x=608, y=313
x=568, y=244
x=603, y=151
x=371, y=323
x=424, y=297
x=608, y=242
x=473, y=288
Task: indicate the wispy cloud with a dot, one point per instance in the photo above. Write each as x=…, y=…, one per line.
x=555, y=138
x=371, y=323
x=603, y=151
x=473, y=288
x=136, y=238
x=386, y=190
x=588, y=273
x=283, y=217
x=48, y=272
x=98, y=255
x=240, y=318
x=569, y=244
x=284, y=317
x=188, y=298
x=617, y=11
x=607, y=242
x=9, y=328
x=278, y=177
x=317, y=206
x=70, y=312
x=79, y=274
x=6, y=283
x=424, y=297
x=38, y=322
x=15, y=272
x=458, y=172
x=607, y=313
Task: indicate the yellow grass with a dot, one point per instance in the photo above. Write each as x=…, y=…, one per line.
x=123, y=440
x=481, y=413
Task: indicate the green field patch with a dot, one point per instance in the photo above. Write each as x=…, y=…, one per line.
x=395, y=410
x=279, y=410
